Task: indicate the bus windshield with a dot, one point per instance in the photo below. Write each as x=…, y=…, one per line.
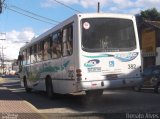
x=107, y=34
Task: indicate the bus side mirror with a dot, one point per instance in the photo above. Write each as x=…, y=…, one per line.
x=19, y=57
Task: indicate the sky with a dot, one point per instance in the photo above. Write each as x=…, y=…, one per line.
x=20, y=29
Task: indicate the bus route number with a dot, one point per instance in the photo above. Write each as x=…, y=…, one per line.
x=131, y=66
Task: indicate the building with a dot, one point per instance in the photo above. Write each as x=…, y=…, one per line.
x=15, y=67
x=149, y=34
x=9, y=67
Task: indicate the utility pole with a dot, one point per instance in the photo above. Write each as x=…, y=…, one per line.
x=2, y=37
x=98, y=7
x=2, y=59
x=0, y=6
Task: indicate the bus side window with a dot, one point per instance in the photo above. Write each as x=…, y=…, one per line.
x=40, y=51
x=33, y=54
x=67, y=41
x=47, y=52
x=56, y=45
x=20, y=61
x=28, y=56
x=24, y=57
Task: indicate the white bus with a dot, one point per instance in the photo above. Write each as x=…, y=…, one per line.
x=87, y=52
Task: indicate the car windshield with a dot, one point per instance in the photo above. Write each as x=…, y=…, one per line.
x=107, y=34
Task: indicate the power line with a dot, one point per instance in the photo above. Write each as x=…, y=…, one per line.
x=31, y=14
x=67, y=6
x=34, y=14
x=28, y=15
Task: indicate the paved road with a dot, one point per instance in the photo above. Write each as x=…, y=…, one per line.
x=120, y=101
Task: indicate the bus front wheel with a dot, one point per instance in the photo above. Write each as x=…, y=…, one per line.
x=27, y=89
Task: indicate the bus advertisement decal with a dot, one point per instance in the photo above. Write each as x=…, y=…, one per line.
x=126, y=57
x=123, y=57
x=92, y=63
x=55, y=68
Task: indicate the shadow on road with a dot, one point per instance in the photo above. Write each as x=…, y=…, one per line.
x=6, y=94
x=110, y=102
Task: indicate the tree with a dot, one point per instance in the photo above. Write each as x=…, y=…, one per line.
x=150, y=14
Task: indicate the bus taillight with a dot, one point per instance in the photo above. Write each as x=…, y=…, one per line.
x=78, y=71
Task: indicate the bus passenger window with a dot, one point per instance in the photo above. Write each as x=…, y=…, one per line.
x=33, y=54
x=67, y=44
x=56, y=46
x=20, y=61
x=28, y=56
x=40, y=51
x=24, y=57
x=47, y=52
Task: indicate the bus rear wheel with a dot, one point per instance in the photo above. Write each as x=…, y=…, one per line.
x=49, y=87
x=27, y=89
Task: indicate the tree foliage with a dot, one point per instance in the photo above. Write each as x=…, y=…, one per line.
x=150, y=14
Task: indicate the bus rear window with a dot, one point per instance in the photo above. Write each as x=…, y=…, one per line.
x=108, y=34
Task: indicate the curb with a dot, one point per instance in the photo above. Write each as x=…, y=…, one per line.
x=35, y=109
x=30, y=105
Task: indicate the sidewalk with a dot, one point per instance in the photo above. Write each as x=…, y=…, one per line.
x=13, y=107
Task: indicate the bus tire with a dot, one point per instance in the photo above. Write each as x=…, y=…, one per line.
x=96, y=93
x=27, y=89
x=49, y=87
